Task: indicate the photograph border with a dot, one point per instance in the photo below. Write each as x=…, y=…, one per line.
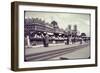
x=15, y=34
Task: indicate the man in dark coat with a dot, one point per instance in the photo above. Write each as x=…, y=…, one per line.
x=67, y=41
x=46, y=40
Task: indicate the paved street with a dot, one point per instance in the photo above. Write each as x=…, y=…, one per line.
x=40, y=48
x=57, y=51
x=82, y=53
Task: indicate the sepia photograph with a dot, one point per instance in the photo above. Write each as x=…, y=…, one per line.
x=56, y=36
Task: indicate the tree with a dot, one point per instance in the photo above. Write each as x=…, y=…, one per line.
x=55, y=26
x=54, y=23
x=83, y=34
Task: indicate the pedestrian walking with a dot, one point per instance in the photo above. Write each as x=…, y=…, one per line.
x=46, y=40
x=67, y=41
x=80, y=40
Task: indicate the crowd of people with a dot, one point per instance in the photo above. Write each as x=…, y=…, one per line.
x=46, y=39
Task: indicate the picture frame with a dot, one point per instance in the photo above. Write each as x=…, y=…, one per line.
x=42, y=13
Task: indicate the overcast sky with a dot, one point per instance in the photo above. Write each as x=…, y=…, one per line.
x=64, y=19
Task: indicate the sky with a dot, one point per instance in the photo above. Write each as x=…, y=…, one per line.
x=64, y=19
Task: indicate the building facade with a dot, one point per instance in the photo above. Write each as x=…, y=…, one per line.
x=36, y=29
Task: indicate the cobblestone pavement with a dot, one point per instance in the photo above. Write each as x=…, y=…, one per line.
x=40, y=48
x=57, y=51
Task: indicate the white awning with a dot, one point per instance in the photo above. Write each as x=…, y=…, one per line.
x=50, y=33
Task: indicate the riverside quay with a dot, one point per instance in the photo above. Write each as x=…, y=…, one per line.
x=39, y=32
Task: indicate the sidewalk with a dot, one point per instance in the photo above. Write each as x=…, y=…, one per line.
x=51, y=47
